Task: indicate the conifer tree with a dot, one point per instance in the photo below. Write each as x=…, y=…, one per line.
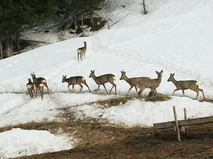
x=14, y=14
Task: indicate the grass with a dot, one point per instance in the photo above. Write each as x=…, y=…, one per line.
x=156, y=97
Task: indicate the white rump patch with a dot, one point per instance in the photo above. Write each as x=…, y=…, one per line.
x=29, y=86
x=41, y=84
x=83, y=79
x=114, y=78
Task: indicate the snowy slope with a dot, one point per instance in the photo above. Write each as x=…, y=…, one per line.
x=174, y=37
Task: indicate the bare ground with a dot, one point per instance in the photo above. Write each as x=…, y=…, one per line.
x=99, y=139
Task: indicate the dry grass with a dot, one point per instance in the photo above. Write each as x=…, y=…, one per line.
x=99, y=139
x=156, y=97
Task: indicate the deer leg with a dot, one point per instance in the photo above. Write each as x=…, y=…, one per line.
x=115, y=88
x=197, y=94
x=105, y=88
x=81, y=87
x=174, y=91
x=183, y=92
x=47, y=88
x=87, y=86
x=78, y=56
x=41, y=92
x=140, y=94
x=202, y=93
x=31, y=93
x=73, y=88
x=36, y=91
x=153, y=91
x=69, y=88
x=136, y=89
x=113, y=85
x=130, y=89
x=98, y=89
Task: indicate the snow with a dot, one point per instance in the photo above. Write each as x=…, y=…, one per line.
x=175, y=36
x=29, y=142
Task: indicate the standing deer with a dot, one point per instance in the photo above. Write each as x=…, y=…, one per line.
x=39, y=84
x=132, y=81
x=150, y=83
x=183, y=85
x=30, y=87
x=74, y=81
x=81, y=51
x=101, y=80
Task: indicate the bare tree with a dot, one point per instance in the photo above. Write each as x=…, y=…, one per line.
x=144, y=7
x=82, y=24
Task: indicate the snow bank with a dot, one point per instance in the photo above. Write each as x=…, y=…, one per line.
x=18, y=142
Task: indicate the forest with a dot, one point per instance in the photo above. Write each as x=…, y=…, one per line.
x=15, y=15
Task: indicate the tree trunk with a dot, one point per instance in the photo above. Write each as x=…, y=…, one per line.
x=75, y=20
x=1, y=53
x=18, y=45
x=144, y=7
x=8, y=45
x=82, y=24
x=92, y=17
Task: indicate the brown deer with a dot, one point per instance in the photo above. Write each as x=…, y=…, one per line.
x=30, y=87
x=101, y=80
x=81, y=51
x=150, y=83
x=39, y=82
x=74, y=81
x=184, y=85
x=132, y=81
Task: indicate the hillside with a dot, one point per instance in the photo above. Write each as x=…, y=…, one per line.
x=175, y=36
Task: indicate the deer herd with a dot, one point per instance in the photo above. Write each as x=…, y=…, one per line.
x=138, y=82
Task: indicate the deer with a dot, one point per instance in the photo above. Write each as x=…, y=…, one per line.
x=132, y=81
x=150, y=83
x=101, y=80
x=30, y=87
x=81, y=51
x=184, y=85
x=39, y=83
x=74, y=81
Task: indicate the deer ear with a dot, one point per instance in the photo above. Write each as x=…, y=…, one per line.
x=161, y=71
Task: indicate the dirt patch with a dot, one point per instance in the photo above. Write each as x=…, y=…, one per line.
x=99, y=141
x=103, y=140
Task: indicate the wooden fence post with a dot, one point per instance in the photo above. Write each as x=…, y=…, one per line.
x=176, y=123
x=185, y=117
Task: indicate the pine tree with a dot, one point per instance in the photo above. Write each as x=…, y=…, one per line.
x=14, y=14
